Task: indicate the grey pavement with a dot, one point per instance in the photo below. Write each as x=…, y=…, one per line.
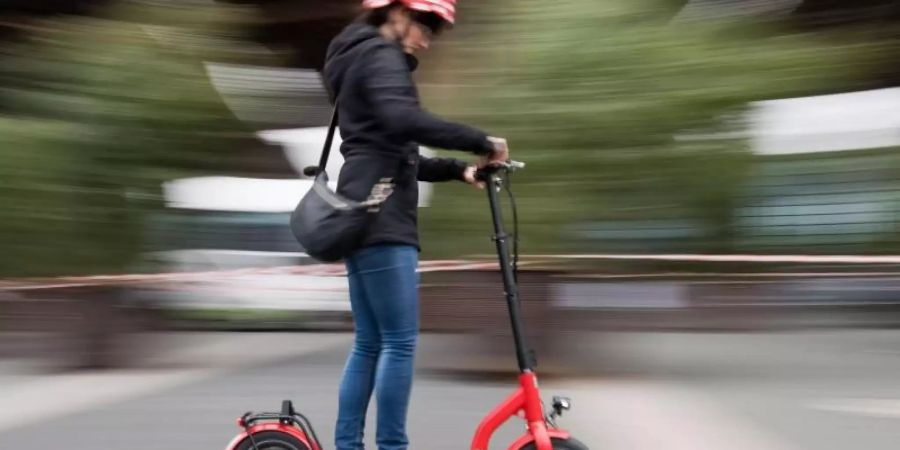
x=825, y=390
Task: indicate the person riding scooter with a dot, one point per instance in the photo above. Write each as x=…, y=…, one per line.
x=368, y=71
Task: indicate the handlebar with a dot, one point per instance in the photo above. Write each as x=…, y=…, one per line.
x=482, y=174
x=485, y=172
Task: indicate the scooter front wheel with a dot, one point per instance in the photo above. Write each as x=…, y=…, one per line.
x=559, y=444
x=271, y=440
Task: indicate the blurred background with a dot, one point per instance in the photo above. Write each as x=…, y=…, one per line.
x=709, y=221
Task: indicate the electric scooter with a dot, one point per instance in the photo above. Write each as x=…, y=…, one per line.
x=290, y=430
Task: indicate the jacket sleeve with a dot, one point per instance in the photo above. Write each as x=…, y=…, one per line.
x=391, y=92
x=440, y=169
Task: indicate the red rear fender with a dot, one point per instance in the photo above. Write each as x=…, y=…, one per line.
x=272, y=426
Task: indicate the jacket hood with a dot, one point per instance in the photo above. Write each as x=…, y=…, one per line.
x=344, y=49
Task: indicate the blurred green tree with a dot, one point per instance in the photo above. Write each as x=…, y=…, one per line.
x=97, y=113
x=627, y=119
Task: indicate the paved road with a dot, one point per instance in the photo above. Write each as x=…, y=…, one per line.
x=830, y=390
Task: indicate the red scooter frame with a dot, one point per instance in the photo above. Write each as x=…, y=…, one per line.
x=525, y=402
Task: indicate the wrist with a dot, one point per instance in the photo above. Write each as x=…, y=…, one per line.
x=461, y=169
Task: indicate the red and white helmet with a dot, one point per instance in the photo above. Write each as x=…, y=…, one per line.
x=445, y=9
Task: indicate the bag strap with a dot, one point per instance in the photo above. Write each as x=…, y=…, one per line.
x=323, y=159
x=329, y=138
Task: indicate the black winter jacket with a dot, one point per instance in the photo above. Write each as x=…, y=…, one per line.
x=382, y=125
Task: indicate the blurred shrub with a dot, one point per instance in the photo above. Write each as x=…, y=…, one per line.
x=626, y=118
x=96, y=113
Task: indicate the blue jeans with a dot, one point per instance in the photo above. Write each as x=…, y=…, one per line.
x=385, y=303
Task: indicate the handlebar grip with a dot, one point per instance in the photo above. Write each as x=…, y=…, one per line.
x=510, y=166
x=311, y=171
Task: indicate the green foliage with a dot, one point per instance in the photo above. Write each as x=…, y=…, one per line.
x=96, y=114
x=623, y=116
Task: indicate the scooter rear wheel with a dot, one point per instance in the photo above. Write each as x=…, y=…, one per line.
x=560, y=444
x=272, y=440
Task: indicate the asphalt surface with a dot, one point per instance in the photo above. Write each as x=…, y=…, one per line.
x=824, y=390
